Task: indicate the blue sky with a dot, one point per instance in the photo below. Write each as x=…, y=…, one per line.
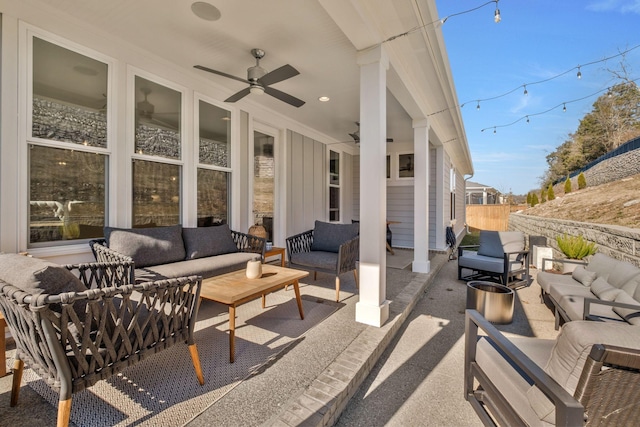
x=536, y=40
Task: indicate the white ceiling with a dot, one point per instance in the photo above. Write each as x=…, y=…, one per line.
x=296, y=32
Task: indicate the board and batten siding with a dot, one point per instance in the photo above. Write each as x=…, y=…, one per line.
x=432, y=198
x=306, y=183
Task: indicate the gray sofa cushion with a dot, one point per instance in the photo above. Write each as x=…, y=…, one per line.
x=616, y=272
x=603, y=290
x=573, y=305
x=570, y=353
x=147, y=246
x=560, y=290
x=328, y=236
x=583, y=276
x=203, y=242
x=316, y=260
x=630, y=315
x=497, y=243
x=475, y=261
x=546, y=279
x=36, y=276
x=205, y=267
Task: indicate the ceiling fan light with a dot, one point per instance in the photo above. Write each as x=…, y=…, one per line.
x=258, y=90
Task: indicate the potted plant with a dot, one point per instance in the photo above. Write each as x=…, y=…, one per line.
x=574, y=248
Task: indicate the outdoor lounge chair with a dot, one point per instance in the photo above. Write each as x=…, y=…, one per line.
x=589, y=375
x=500, y=256
x=76, y=325
x=329, y=248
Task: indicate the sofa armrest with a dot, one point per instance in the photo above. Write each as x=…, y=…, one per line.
x=249, y=243
x=462, y=248
x=568, y=410
x=588, y=302
x=98, y=275
x=299, y=243
x=348, y=255
x=561, y=261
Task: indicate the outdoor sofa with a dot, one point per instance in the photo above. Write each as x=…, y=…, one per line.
x=605, y=289
x=500, y=255
x=330, y=248
x=589, y=375
x=75, y=325
x=174, y=251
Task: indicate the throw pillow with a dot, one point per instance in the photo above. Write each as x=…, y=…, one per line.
x=583, y=276
x=603, y=290
x=147, y=246
x=36, y=276
x=328, y=237
x=203, y=242
x=631, y=315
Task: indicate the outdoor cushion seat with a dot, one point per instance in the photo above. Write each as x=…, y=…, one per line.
x=329, y=248
x=590, y=372
x=501, y=255
x=205, y=267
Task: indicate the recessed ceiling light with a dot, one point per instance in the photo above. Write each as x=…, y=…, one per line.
x=205, y=11
x=324, y=99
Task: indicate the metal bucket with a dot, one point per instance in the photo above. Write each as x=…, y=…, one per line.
x=493, y=301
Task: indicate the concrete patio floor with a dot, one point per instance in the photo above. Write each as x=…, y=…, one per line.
x=409, y=372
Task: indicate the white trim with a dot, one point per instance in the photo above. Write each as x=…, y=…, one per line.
x=279, y=180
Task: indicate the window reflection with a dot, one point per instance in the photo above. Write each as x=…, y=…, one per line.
x=213, y=197
x=158, y=116
x=263, y=182
x=214, y=127
x=156, y=194
x=69, y=96
x=67, y=195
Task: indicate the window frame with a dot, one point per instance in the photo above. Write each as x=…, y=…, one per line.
x=332, y=185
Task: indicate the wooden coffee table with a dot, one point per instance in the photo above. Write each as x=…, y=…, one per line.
x=234, y=289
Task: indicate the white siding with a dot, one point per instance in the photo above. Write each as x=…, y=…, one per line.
x=400, y=208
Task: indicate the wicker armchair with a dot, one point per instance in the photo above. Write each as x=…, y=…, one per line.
x=74, y=339
x=334, y=251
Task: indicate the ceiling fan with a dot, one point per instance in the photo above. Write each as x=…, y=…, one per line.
x=356, y=135
x=260, y=80
x=145, y=110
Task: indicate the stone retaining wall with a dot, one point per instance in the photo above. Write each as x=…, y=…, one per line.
x=618, y=242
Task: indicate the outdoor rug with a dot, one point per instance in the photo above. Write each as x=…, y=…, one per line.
x=163, y=389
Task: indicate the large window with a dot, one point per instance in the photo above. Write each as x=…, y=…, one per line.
x=263, y=181
x=67, y=144
x=334, y=186
x=214, y=155
x=156, y=180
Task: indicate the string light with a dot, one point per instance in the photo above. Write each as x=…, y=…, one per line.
x=563, y=104
x=525, y=90
x=553, y=77
x=478, y=106
x=564, y=108
x=496, y=15
x=579, y=75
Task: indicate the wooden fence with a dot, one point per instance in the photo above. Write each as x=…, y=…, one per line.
x=490, y=217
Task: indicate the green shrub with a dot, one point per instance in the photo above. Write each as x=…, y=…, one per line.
x=567, y=185
x=543, y=196
x=582, y=181
x=550, y=194
x=534, y=199
x=529, y=199
x=575, y=247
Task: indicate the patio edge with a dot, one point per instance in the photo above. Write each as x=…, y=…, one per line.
x=322, y=403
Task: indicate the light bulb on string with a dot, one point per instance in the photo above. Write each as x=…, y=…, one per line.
x=525, y=90
x=527, y=119
x=579, y=75
x=496, y=15
x=478, y=106
x=494, y=130
x=564, y=107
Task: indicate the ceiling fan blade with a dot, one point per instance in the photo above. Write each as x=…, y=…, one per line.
x=283, y=73
x=220, y=73
x=238, y=96
x=285, y=97
x=355, y=136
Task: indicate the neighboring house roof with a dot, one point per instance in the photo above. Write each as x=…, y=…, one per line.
x=471, y=186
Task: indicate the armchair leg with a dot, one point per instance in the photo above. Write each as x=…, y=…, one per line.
x=337, y=288
x=18, y=366
x=193, y=351
x=64, y=412
x=355, y=274
x=315, y=275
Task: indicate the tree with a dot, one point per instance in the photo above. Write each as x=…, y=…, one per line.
x=534, y=199
x=550, y=194
x=582, y=181
x=543, y=196
x=567, y=185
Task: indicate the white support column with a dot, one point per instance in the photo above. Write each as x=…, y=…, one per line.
x=441, y=207
x=373, y=308
x=421, y=262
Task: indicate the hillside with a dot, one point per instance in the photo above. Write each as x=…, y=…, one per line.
x=615, y=203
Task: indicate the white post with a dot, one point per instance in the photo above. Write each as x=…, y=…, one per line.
x=373, y=308
x=421, y=262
